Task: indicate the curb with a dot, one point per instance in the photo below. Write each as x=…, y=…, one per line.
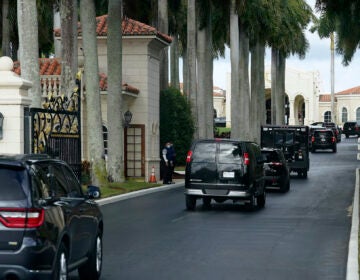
x=129, y=195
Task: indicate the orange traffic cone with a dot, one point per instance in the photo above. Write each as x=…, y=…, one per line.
x=152, y=177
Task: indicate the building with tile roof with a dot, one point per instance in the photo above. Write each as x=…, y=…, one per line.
x=141, y=46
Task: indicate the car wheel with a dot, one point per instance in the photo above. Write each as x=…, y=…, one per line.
x=335, y=149
x=206, y=202
x=284, y=186
x=91, y=270
x=261, y=200
x=347, y=135
x=190, y=202
x=305, y=174
x=61, y=268
x=313, y=150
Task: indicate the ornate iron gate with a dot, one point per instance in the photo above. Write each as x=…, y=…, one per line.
x=56, y=129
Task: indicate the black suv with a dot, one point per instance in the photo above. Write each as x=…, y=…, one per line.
x=48, y=226
x=351, y=128
x=223, y=169
x=277, y=173
x=323, y=139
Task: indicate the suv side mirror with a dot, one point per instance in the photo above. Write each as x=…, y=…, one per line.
x=93, y=192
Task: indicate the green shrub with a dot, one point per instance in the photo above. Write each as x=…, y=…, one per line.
x=176, y=123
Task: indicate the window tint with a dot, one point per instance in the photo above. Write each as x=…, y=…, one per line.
x=40, y=184
x=271, y=156
x=204, y=152
x=230, y=153
x=11, y=184
x=73, y=185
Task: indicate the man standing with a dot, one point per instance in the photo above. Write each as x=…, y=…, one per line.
x=168, y=157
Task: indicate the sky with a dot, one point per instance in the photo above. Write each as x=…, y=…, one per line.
x=318, y=58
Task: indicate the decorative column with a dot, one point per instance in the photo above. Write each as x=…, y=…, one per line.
x=292, y=112
x=14, y=100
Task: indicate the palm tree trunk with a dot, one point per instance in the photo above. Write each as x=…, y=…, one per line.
x=114, y=98
x=281, y=89
x=5, y=29
x=68, y=17
x=257, y=112
x=186, y=76
x=174, y=63
x=29, y=47
x=274, y=66
x=244, y=84
x=95, y=140
x=191, y=62
x=235, y=87
x=163, y=26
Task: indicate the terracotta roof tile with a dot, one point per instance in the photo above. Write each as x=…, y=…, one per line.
x=130, y=27
x=354, y=90
x=325, y=98
x=52, y=66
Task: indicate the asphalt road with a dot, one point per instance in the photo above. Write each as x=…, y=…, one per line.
x=302, y=234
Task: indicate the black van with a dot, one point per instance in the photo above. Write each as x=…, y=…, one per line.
x=223, y=169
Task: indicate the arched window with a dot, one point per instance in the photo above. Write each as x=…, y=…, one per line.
x=358, y=114
x=327, y=116
x=105, y=135
x=344, y=115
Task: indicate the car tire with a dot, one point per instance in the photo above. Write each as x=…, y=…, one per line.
x=61, y=265
x=261, y=200
x=91, y=270
x=190, y=202
x=347, y=135
x=285, y=187
x=335, y=149
x=206, y=202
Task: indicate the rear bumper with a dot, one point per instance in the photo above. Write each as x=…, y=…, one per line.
x=229, y=194
x=19, y=272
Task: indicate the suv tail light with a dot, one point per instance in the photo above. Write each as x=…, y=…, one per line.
x=312, y=138
x=189, y=156
x=333, y=139
x=246, y=159
x=21, y=217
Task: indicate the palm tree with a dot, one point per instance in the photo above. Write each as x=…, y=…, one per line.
x=93, y=108
x=294, y=15
x=340, y=17
x=29, y=47
x=114, y=97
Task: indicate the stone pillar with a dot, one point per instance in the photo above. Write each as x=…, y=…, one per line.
x=292, y=112
x=13, y=99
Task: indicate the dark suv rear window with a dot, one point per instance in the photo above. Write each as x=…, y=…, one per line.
x=327, y=134
x=230, y=153
x=11, y=184
x=204, y=152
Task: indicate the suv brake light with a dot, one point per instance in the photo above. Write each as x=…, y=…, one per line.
x=312, y=138
x=189, y=156
x=21, y=217
x=246, y=159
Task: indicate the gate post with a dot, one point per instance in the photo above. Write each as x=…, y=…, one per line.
x=14, y=100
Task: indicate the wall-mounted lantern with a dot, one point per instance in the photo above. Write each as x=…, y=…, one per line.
x=127, y=118
x=1, y=125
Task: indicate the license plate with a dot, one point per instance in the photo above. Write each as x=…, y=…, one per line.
x=228, y=174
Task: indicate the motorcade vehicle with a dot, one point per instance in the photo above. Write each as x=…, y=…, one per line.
x=323, y=139
x=48, y=225
x=224, y=169
x=351, y=128
x=312, y=127
x=335, y=128
x=277, y=173
x=293, y=140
